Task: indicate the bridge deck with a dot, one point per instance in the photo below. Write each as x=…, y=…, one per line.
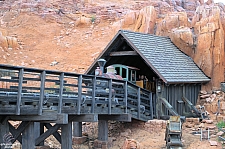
x=28, y=91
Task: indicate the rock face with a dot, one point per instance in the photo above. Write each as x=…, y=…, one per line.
x=195, y=27
x=171, y=21
x=209, y=51
x=204, y=42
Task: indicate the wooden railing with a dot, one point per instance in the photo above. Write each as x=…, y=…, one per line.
x=28, y=91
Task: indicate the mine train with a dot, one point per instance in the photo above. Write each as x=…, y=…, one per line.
x=123, y=72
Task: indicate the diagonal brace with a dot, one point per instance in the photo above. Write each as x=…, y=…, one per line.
x=49, y=132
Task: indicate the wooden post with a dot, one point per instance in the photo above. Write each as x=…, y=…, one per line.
x=125, y=96
x=42, y=90
x=60, y=92
x=79, y=93
x=66, y=142
x=28, y=137
x=93, y=95
x=77, y=129
x=20, y=85
x=103, y=130
x=139, y=102
x=110, y=97
x=151, y=106
x=4, y=131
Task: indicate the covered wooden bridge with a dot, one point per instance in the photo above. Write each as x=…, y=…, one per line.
x=41, y=98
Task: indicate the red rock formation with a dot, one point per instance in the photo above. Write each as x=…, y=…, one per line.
x=172, y=20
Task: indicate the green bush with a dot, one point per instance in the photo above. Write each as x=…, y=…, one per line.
x=93, y=18
x=221, y=124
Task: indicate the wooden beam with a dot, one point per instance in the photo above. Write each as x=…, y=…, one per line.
x=84, y=118
x=28, y=137
x=123, y=53
x=55, y=134
x=66, y=142
x=50, y=117
x=77, y=129
x=49, y=132
x=116, y=117
x=103, y=130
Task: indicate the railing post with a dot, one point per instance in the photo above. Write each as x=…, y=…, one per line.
x=139, y=103
x=125, y=96
x=20, y=85
x=61, y=79
x=110, y=97
x=79, y=93
x=93, y=94
x=42, y=89
x=151, y=107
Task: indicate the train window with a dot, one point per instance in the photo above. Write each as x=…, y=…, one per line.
x=117, y=70
x=129, y=75
x=124, y=73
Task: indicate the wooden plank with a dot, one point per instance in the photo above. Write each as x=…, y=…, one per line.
x=42, y=90
x=110, y=97
x=49, y=132
x=66, y=142
x=114, y=117
x=55, y=134
x=123, y=53
x=28, y=137
x=21, y=71
x=11, y=80
x=125, y=96
x=60, y=92
x=79, y=92
x=84, y=118
x=93, y=95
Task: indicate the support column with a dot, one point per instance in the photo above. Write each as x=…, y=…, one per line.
x=66, y=136
x=28, y=137
x=77, y=129
x=103, y=130
x=4, y=131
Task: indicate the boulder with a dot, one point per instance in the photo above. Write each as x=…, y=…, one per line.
x=131, y=143
x=183, y=38
x=3, y=42
x=146, y=20
x=171, y=21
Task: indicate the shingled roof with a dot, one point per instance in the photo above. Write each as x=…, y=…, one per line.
x=170, y=64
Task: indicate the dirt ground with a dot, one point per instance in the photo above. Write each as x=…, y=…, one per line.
x=47, y=38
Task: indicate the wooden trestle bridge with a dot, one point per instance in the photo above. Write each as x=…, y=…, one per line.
x=55, y=99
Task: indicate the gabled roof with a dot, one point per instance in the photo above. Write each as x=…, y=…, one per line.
x=168, y=62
